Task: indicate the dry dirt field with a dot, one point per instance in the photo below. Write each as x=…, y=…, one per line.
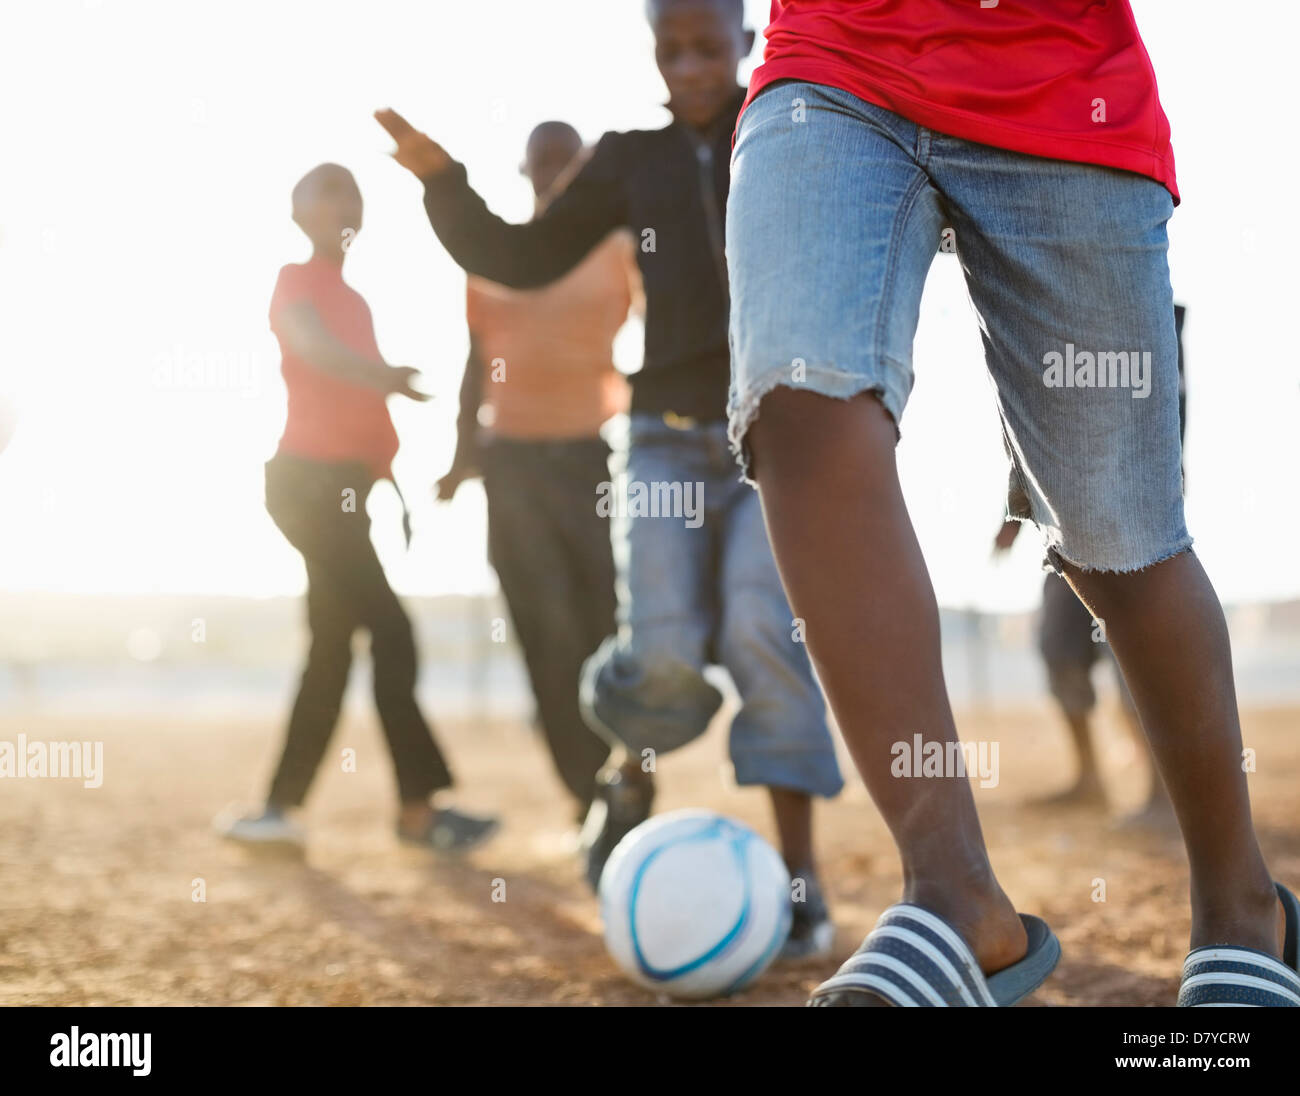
x=96, y=886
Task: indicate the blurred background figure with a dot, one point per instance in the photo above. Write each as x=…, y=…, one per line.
x=337, y=442
x=539, y=384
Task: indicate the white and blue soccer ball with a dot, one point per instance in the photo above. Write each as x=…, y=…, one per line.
x=694, y=904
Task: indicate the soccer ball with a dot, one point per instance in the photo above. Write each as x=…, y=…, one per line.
x=694, y=904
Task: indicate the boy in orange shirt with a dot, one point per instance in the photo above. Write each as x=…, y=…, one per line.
x=541, y=376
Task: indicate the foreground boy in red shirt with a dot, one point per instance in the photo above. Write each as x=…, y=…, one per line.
x=1034, y=132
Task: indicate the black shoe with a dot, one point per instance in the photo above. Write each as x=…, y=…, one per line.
x=450, y=830
x=621, y=803
x=812, y=934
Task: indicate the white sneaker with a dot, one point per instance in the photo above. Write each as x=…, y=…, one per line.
x=270, y=830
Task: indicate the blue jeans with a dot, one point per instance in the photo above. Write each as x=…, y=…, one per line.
x=700, y=586
x=837, y=209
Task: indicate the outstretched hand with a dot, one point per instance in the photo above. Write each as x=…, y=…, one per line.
x=400, y=380
x=446, y=488
x=1006, y=537
x=419, y=153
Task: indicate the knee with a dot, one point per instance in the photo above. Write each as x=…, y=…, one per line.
x=797, y=430
x=653, y=663
x=647, y=694
x=392, y=638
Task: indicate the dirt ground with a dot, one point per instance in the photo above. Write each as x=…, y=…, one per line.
x=97, y=885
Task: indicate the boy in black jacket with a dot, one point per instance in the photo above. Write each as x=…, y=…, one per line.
x=697, y=581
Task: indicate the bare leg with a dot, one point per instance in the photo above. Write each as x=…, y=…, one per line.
x=1087, y=789
x=811, y=934
x=1167, y=630
x=853, y=572
x=793, y=812
x=1067, y=641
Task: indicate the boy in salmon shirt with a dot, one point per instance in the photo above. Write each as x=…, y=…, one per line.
x=338, y=440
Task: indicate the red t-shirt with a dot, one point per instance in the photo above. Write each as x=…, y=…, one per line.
x=1065, y=79
x=331, y=419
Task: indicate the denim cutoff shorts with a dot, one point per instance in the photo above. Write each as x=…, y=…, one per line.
x=837, y=209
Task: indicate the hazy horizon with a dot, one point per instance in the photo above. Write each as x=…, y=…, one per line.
x=142, y=226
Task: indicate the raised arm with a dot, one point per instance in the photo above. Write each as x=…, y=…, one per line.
x=522, y=256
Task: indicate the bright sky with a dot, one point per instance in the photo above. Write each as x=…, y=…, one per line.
x=150, y=148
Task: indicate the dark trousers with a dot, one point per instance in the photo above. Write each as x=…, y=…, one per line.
x=346, y=590
x=552, y=555
x=1066, y=641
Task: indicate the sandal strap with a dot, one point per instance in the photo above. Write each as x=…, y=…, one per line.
x=1227, y=976
x=913, y=958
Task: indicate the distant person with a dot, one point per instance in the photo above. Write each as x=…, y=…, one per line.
x=337, y=442
x=691, y=592
x=541, y=374
x=1071, y=642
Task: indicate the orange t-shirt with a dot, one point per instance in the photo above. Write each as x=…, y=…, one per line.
x=547, y=353
x=331, y=419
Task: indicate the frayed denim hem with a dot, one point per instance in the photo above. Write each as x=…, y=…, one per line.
x=831, y=383
x=813, y=772
x=1055, y=558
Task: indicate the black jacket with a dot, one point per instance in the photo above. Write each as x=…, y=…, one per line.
x=670, y=188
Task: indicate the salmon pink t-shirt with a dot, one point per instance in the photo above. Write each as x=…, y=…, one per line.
x=547, y=353
x=1065, y=79
x=332, y=419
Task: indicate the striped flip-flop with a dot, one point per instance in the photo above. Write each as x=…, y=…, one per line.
x=1225, y=976
x=914, y=957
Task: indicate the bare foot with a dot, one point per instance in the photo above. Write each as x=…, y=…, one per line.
x=1156, y=817
x=1084, y=793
